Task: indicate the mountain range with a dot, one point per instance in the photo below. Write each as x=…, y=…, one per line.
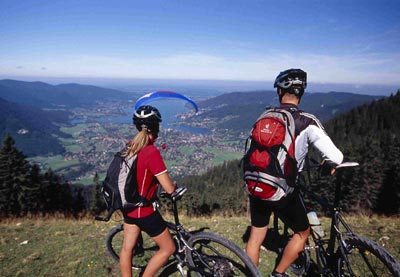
x=237, y=111
x=43, y=95
x=32, y=112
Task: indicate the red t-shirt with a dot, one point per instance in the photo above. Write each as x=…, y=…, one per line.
x=149, y=165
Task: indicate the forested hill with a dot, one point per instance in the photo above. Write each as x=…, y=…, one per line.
x=378, y=121
x=369, y=134
x=237, y=111
x=32, y=112
x=34, y=129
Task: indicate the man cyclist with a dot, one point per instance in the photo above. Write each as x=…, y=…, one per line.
x=290, y=86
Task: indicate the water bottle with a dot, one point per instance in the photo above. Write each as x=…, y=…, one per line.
x=315, y=224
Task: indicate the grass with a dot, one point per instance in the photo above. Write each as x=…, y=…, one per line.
x=187, y=150
x=74, y=130
x=223, y=155
x=72, y=146
x=66, y=247
x=56, y=162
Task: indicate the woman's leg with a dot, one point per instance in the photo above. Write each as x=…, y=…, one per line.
x=167, y=248
x=131, y=234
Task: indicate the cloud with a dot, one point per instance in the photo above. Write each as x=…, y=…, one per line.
x=361, y=68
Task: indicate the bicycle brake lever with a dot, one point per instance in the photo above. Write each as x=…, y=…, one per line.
x=174, y=195
x=178, y=193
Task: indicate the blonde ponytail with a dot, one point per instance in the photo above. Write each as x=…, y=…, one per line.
x=137, y=143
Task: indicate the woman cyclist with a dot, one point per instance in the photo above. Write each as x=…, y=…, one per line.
x=151, y=170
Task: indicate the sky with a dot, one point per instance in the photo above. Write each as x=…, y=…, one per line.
x=355, y=42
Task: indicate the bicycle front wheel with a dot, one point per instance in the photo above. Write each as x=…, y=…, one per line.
x=144, y=250
x=211, y=255
x=366, y=258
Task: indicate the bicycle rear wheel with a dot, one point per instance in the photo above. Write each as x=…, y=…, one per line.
x=212, y=255
x=366, y=258
x=144, y=250
x=302, y=263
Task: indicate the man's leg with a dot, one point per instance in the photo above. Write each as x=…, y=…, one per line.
x=257, y=236
x=292, y=250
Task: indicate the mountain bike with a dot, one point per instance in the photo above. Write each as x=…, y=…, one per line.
x=198, y=253
x=343, y=253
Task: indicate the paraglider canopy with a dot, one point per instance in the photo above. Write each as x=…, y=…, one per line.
x=163, y=94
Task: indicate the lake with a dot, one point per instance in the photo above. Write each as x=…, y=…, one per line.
x=169, y=109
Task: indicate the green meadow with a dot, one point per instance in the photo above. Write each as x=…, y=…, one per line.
x=56, y=246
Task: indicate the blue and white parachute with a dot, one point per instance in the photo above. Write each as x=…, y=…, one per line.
x=152, y=96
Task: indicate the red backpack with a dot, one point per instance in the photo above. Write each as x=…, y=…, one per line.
x=269, y=164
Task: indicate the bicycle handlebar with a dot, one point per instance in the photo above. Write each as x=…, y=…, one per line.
x=328, y=168
x=347, y=164
x=176, y=195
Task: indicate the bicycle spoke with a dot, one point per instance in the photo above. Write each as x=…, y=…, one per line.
x=213, y=259
x=365, y=258
x=364, y=263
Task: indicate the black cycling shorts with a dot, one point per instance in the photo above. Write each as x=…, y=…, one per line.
x=153, y=224
x=292, y=212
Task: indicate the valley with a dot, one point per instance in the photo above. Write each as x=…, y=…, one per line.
x=75, y=129
x=90, y=145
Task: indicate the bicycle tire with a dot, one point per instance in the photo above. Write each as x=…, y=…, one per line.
x=366, y=258
x=144, y=250
x=212, y=255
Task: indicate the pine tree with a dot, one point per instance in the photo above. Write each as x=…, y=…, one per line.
x=14, y=177
x=389, y=194
x=79, y=203
x=32, y=192
x=97, y=204
x=56, y=194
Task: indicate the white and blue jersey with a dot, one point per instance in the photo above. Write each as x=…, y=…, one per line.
x=309, y=131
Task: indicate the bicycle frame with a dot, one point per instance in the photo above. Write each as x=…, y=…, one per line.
x=327, y=257
x=185, y=243
x=198, y=252
x=181, y=236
